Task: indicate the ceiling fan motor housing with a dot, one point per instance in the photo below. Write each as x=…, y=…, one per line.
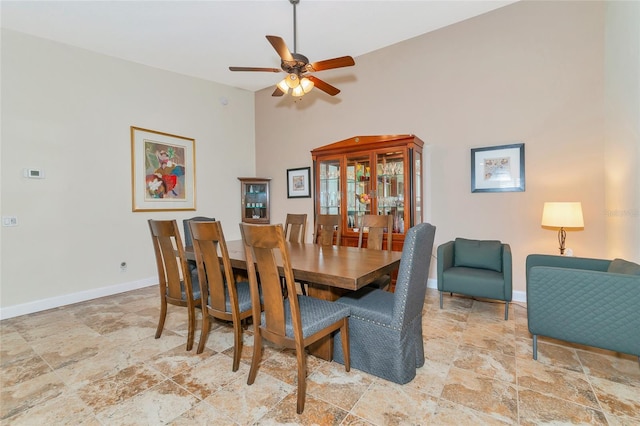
x=298, y=66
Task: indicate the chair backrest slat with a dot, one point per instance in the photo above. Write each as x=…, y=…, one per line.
x=328, y=230
x=380, y=228
x=295, y=227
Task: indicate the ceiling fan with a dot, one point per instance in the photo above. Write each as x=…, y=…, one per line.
x=297, y=66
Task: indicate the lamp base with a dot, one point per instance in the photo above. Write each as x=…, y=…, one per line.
x=562, y=236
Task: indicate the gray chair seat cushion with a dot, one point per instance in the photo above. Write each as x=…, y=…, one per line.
x=315, y=314
x=370, y=304
x=475, y=282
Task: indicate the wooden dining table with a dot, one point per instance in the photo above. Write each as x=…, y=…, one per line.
x=329, y=272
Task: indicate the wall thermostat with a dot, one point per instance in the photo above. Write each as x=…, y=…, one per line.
x=34, y=173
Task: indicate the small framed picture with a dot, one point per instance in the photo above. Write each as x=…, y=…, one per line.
x=163, y=171
x=498, y=168
x=299, y=182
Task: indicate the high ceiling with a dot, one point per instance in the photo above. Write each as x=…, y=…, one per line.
x=203, y=38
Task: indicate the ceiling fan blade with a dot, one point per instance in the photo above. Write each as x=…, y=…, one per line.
x=277, y=92
x=343, y=61
x=254, y=69
x=281, y=47
x=324, y=86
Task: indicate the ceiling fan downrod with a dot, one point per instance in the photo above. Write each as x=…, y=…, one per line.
x=295, y=26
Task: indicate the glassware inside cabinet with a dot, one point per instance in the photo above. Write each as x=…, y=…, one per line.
x=330, y=187
x=390, y=188
x=255, y=199
x=359, y=191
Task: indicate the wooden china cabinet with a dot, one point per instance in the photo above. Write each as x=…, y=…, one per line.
x=254, y=198
x=370, y=175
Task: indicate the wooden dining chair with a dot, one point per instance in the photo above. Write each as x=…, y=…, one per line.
x=179, y=286
x=386, y=328
x=295, y=227
x=221, y=296
x=379, y=229
x=328, y=230
x=295, y=321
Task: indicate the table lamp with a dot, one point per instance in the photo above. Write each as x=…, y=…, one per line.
x=562, y=215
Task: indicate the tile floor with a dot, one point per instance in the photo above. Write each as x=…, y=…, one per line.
x=97, y=363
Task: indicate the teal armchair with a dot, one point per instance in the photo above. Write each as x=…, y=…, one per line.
x=479, y=268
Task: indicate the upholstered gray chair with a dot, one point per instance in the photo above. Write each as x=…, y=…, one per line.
x=385, y=329
x=188, y=241
x=187, y=232
x=480, y=268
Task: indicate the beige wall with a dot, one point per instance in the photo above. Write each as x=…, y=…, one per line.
x=68, y=111
x=622, y=141
x=530, y=72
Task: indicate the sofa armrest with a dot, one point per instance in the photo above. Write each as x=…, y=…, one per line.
x=445, y=259
x=507, y=271
x=584, y=306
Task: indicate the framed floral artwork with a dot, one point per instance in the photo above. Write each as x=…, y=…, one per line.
x=498, y=168
x=162, y=171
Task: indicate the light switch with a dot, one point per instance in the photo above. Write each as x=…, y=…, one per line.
x=34, y=173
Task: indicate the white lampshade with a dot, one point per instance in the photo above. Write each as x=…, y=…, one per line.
x=306, y=84
x=283, y=86
x=292, y=81
x=563, y=215
x=297, y=91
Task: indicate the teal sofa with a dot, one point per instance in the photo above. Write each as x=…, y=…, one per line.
x=593, y=302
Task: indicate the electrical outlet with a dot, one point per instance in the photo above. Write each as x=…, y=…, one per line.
x=9, y=221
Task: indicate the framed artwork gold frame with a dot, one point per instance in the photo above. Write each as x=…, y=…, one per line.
x=163, y=171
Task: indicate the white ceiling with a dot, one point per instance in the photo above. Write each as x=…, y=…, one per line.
x=203, y=38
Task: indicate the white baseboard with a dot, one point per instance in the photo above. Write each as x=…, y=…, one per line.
x=518, y=296
x=67, y=299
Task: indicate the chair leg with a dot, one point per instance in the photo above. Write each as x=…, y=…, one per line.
x=344, y=337
x=257, y=352
x=204, y=333
x=163, y=317
x=237, y=345
x=440, y=300
x=302, y=378
x=506, y=311
x=192, y=326
x=535, y=347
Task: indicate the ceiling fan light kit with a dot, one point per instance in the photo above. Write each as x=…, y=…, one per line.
x=296, y=66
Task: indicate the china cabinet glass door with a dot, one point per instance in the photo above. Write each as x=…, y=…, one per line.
x=390, y=188
x=329, y=186
x=360, y=194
